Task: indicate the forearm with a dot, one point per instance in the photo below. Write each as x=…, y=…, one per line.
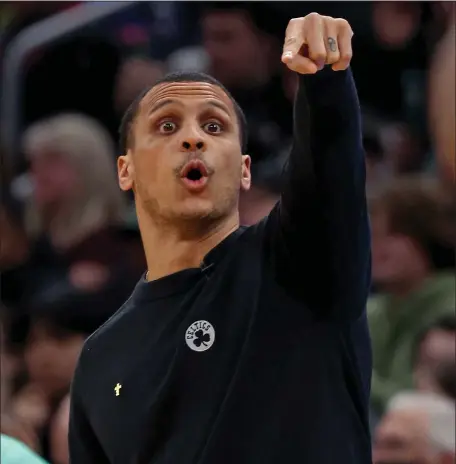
x=327, y=146
x=323, y=207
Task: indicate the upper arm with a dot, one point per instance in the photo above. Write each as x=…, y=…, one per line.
x=318, y=235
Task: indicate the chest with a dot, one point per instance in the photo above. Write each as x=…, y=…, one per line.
x=171, y=373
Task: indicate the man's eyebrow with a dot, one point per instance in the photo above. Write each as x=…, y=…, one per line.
x=170, y=101
x=219, y=105
x=161, y=104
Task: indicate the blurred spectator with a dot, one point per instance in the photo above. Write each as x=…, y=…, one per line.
x=393, y=35
x=57, y=333
x=74, y=182
x=417, y=428
x=75, y=213
x=446, y=377
x=87, y=65
x=134, y=76
x=9, y=424
x=59, y=433
x=442, y=98
x=412, y=262
x=17, y=16
x=13, y=427
x=13, y=240
x=15, y=452
x=435, y=358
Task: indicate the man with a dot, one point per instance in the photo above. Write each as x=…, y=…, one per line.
x=241, y=345
x=418, y=428
x=412, y=268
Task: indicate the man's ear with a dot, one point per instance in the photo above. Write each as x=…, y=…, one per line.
x=246, y=175
x=125, y=172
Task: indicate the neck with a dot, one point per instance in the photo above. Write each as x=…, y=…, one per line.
x=171, y=249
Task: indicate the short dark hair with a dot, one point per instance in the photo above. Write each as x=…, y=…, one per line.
x=125, y=139
x=419, y=208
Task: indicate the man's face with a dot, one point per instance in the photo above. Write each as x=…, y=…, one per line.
x=185, y=160
x=396, y=258
x=401, y=438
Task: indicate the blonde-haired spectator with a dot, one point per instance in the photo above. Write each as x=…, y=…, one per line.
x=76, y=210
x=76, y=206
x=75, y=189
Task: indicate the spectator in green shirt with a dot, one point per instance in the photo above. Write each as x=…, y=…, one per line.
x=411, y=251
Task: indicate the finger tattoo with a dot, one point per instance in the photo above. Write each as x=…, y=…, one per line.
x=332, y=44
x=290, y=41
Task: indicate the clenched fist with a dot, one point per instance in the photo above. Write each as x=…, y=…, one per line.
x=315, y=40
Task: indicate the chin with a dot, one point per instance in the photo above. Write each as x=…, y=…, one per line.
x=196, y=208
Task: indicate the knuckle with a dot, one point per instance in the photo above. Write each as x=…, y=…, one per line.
x=343, y=24
x=313, y=16
x=346, y=56
x=333, y=58
x=318, y=54
x=294, y=25
x=294, y=21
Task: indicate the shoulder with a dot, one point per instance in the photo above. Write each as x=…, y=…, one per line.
x=15, y=452
x=103, y=339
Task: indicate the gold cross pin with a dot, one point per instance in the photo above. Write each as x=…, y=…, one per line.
x=117, y=389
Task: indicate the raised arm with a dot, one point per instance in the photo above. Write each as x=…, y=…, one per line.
x=319, y=232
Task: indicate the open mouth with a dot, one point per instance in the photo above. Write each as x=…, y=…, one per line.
x=194, y=174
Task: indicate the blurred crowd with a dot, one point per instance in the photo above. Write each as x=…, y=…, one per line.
x=70, y=246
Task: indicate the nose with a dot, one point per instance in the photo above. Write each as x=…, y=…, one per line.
x=193, y=144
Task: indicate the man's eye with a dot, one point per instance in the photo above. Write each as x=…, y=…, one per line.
x=167, y=127
x=213, y=127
